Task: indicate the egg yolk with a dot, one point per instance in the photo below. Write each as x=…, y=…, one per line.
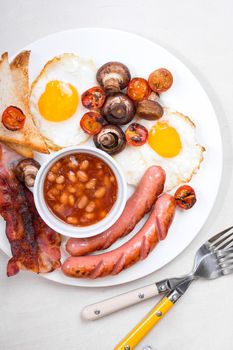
x=165, y=140
x=59, y=101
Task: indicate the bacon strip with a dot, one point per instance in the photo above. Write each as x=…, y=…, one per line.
x=19, y=229
x=34, y=245
x=48, y=240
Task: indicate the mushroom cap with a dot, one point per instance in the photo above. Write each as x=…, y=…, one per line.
x=118, y=109
x=113, y=76
x=26, y=171
x=110, y=139
x=150, y=110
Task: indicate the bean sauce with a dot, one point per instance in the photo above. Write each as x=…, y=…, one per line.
x=80, y=189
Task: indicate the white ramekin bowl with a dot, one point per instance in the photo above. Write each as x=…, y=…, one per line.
x=76, y=231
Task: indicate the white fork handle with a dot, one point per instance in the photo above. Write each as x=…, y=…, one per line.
x=108, y=306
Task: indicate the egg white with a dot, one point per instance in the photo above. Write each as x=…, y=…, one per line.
x=79, y=72
x=179, y=169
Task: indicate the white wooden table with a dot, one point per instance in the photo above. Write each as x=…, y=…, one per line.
x=36, y=314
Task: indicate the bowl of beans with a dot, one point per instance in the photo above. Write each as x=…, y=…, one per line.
x=80, y=191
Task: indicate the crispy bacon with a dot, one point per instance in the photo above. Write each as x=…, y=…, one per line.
x=48, y=240
x=19, y=229
x=34, y=245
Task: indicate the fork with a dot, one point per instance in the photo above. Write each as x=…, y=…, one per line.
x=213, y=265
x=221, y=240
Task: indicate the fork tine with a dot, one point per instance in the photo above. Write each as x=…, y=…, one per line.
x=215, y=242
x=219, y=244
x=227, y=244
x=224, y=253
x=218, y=235
x=225, y=260
x=226, y=263
x=227, y=270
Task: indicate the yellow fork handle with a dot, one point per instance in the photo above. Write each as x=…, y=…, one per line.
x=143, y=327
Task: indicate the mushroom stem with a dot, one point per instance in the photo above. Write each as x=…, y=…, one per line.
x=119, y=111
x=108, y=140
x=112, y=85
x=113, y=77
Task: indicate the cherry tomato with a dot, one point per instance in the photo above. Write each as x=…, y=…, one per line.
x=92, y=122
x=185, y=197
x=13, y=118
x=138, y=89
x=160, y=80
x=93, y=98
x=136, y=134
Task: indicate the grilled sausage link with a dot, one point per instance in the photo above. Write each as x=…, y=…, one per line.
x=146, y=193
x=137, y=248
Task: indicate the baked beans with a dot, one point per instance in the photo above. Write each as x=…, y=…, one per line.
x=80, y=189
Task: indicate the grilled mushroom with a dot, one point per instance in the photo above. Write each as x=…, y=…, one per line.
x=113, y=76
x=26, y=171
x=118, y=109
x=110, y=139
x=150, y=110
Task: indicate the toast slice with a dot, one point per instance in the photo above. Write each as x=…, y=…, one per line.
x=14, y=90
x=19, y=66
x=22, y=150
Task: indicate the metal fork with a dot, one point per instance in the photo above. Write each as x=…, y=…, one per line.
x=213, y=265
x=206, y=265
x=221, y=240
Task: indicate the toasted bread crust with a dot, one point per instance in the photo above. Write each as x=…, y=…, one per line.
x=52, y=146
x=21, y=61
x=14, y=90
x=22, y=150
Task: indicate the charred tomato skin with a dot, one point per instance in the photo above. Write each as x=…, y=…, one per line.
x=138, y=89
x=93, y=98
x=160, y=80
x=136, y=134
x=13, y=118
x=92, y=122
x=185, y=197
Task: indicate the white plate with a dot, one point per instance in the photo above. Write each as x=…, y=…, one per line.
x=187, y=96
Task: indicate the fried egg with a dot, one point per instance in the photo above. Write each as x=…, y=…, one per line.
x=171, y=144
x=55, y=99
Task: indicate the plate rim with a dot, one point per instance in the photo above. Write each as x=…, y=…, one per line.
x=220, y=176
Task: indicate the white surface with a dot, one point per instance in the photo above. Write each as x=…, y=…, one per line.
x=38, y=314
x=182, y=97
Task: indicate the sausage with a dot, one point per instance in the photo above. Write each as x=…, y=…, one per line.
x=148, y=189
x=137, y=248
